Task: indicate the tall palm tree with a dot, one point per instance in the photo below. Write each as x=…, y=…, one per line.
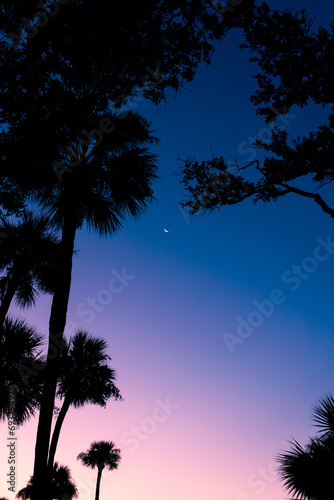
x=19, y=348
x=100, y=454
x=114, y=179
x=307, y=472
x=62, y=485
x=85, y=378
x=27, y=261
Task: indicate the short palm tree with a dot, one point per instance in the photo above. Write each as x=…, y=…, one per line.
x=20, y=383
x=307, y=472
x=114, y=180
x=62, y=485
x=100, y=454
x=86, y=377
x=27, y=261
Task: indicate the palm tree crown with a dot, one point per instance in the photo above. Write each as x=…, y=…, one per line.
x=27, y=261
x=85, y=378
x=101, y=454
x=62, y=485
x=85, y=375
x=324, y=415
x=112, y=181
x=307, y=472
x=20, y=384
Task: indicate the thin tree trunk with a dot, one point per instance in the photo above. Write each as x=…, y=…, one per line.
x=98, y=482
x=56, y=432
x=7, y=299
x=56, y=330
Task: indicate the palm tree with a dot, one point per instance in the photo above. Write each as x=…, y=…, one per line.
x=324, y=415
x=100, y=454
x=19, y=348
x=28, y=259
x=85, y=378
x=62, y=485
x=307, y=472
x=113, y=180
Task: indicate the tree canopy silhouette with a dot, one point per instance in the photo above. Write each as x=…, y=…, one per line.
x=85, y=57
x=296, y=68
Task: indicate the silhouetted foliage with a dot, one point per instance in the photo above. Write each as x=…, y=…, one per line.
x=100, y=454
x=86, y=378
x=28, y=260
x=19, y=350
x=86, y=56
x=307, y=472
x=296, y=68
x=324, y=415
x=111, y=183
x=60, y=77
x=62, y=485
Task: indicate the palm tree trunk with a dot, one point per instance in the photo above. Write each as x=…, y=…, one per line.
x=98, y=482
x=56, y=432
x=6, y=301
x=56, y=330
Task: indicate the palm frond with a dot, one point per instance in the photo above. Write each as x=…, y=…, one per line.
x=324, y=415
x=101, y=454
x=86, y=376
x=20, y=382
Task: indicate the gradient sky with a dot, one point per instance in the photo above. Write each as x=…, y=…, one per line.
x=198, y=420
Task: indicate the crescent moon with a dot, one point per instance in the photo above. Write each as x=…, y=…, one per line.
x=166, y=231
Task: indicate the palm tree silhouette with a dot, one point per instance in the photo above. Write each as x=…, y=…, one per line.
x=100, y=454
x=113, y=180
x=28, y=259
x=85, y=378
x=62, y=485
x=19, y=395
x=307, y=472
